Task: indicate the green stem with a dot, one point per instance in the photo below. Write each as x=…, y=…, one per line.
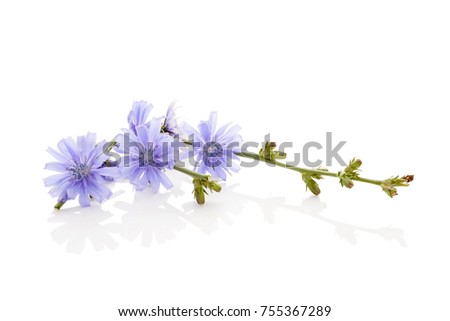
x=368, y=180
x=298, y=169
x=191, y=173
x=284, y=165
x=302, y=170
x=59, y=205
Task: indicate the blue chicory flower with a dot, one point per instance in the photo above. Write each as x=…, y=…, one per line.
x=81, y=170
x=213, y=148
x=170, y=124
x=138, y=114
x=147, y=154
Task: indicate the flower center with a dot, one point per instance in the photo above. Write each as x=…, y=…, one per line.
x=213, y=149
x=79, y=171
x=146, y=158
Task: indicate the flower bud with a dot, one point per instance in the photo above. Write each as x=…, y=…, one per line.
x=213, y=186
x=390, y=190
x=354, y=165
x=199, y=195
x=311, y=184
x=345, y=181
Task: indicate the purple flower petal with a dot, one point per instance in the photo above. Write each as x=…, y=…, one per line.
x=213, y=121
x=84, y=198
x=165, y=181
x=54, y=179
x=139, y=114
x=154, y=130
x=153, y=179
x=205, y=131
x=142, y=133
x=113, y=172
x=56, y=166
x=58, y=155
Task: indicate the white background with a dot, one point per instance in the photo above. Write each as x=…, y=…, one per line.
x=375, y=74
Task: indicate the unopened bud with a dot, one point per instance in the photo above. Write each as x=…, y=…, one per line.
x=345, y=180
x=199, y=195
x=408, y=178
x=214, y=186
x=390, y=190
x=311, y=184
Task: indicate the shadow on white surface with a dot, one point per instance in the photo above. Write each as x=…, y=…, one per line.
x=78, y=226
x=152, y=218
x=220, y=209
x=313, y=207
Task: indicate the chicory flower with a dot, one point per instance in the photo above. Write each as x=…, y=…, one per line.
x=138, y=115
x=80, y=170
x=170, y=124
x=147, y=154
x=213, y=149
